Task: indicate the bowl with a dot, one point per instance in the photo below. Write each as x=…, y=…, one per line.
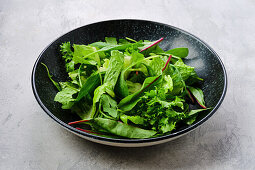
x=207, y=63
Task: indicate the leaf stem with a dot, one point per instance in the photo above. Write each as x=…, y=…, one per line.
x=169, y=58
x=196, y=100
x=79, y=75
x=158, y=41
x=87, y=131
x=79, y=121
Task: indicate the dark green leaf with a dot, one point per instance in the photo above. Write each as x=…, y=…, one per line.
x=90, y=85
x=83, y=108
x=198, y=94
x=130, y=101
x=111, y=77
x=121, y=129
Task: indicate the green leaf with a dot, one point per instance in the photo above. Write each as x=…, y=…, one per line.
x=65, y=96
x=186, y=71
x=109, y=105
x=193, y=112
x=134, y=119
x=192, y=115
x=167, y=83
x=110, y=79
x=50, y=77
x=99, y=91
x=177, y=79
x=166, y=125
x=105, y=65
x=109, y=47
x=191, y=120
x=130, y=101
x=133, y=87
x=90, y=85
x=114, y=69
x=111, y=40
x=70, y=66
x=121, y=129
x=66, y=51
x=179, y=52
x=198, y=94
x=83, y=108
x=83, y=50
x=157, y=64
x=121, y=88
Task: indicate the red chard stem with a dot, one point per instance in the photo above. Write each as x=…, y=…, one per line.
x=87, y=131
x=169, y=58
x=80, y=121
x=158, y=41
x=190, y=96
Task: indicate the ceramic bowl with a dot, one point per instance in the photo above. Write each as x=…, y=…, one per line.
x=207, y=63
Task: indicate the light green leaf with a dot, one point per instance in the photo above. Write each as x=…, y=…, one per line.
x=109, y=105
x=121, y=129
x=65, y=96
x=179, y=52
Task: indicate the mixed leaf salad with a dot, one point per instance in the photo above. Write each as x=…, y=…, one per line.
x=128, y=88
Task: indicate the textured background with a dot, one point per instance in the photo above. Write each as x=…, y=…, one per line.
x=29, y=139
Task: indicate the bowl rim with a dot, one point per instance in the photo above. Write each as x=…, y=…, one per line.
x=147, y=140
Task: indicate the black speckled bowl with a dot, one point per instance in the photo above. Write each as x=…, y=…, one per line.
x=207, y=62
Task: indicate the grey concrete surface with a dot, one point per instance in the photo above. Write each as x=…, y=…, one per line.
x=29, y=139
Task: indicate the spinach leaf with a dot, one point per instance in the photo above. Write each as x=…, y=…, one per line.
x=110, y=79
x=179, y=52
x=90, y=85
x=121, y=88
x=83, y=108
x=109, y=105
x=130, y=101
x=199, y=95
x=121, y=129
x=114, y=69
